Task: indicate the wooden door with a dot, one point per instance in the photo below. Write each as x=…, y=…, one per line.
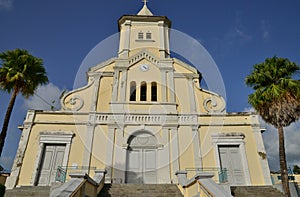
x=52, y=158
x=230, y=158
x=141, y=166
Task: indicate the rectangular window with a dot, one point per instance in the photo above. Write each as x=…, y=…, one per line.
x=148, y=36
x=140, y=35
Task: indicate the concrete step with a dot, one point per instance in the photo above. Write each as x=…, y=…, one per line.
x=26, y=191
x=255, y=191
x=135, y=190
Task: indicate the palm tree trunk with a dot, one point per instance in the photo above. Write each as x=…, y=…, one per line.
x=6, y=119
x=283, y=166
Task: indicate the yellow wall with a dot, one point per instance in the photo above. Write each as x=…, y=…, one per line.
x=105, y=93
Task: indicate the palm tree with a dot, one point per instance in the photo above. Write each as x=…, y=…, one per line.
x=20, y=73
x=276, y=99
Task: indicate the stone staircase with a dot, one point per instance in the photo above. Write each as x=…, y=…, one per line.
x=255, y=191
x=138, y=190
x=26, y=191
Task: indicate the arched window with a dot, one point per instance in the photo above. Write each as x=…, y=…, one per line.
x=132, y=91
x=143, y=95
x=153, y=91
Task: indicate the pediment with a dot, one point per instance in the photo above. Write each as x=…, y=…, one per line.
x=143, y=55
x=102, y=65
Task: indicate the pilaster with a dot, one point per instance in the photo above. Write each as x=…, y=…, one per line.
x=197, y=147
x=124, y=46
x=163, y=85
x=174, y=153
x=261, y=149
x=192, y=100
x=95, y=92
x=109, y=153
x=162, y=47
x=88, y=143
x=11, y=182
x=163, y=155
x=115, y=85
x=119, y=158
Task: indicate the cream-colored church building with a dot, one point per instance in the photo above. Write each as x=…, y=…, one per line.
x=143, y=118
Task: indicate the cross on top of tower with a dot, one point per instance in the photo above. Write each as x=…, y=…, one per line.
x=145, y=11
x=145, y=2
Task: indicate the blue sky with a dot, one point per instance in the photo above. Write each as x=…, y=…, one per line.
x=237, y=34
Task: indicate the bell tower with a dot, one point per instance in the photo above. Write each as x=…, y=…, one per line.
x=144, y=30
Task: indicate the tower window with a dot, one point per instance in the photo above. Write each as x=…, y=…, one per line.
x=143, y=95
x=140, y=35
x=148, y=36
x=132, y=91
x=153, y=91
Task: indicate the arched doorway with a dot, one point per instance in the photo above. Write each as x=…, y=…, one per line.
x=141, y=159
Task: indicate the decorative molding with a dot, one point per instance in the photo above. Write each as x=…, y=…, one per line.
x=75, y=101
x=212, y=106
x=233, y=138
x=51, y=137
x=144, y=40
x=72, y=100
x=143, y=55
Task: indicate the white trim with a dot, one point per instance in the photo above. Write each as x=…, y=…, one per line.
x=52, y=137
x=233, y=138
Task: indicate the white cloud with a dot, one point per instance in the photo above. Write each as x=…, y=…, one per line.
x=249, y=109
x=45, y=98
x=241, y=34
x=265, y=26
x=292, y=145
x=6, y=4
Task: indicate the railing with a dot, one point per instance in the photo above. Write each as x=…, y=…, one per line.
x=221, y=172
x=63, y=171
x=182, y=119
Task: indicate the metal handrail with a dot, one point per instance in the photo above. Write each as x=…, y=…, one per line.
x=222, y=172
x=61, y=172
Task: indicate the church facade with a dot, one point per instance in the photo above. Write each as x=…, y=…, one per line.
x=142, y=117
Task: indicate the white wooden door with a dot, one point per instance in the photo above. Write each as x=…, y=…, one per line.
x=149, y=170
x=134, y=166
x=230, y=158
x=52, y=158
x=141, y=166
